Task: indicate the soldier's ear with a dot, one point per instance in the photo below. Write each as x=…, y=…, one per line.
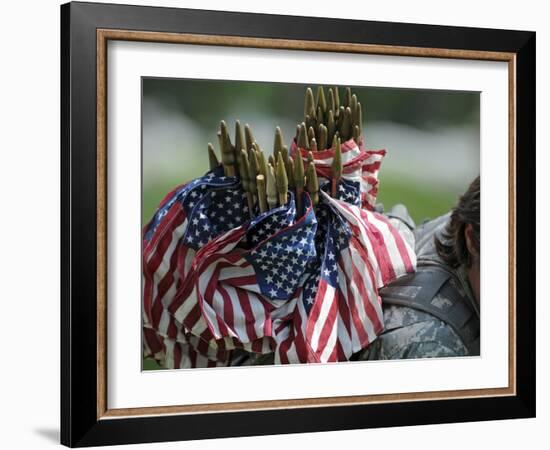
x=469, y=237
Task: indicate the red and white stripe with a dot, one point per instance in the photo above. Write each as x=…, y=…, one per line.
x=358, y=164
x=389, y=254
x=220, y=300
x=345, y=319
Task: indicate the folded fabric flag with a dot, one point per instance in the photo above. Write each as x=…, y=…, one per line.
x=188, y=217
x=305, y=288
x=338, y=310
x=235, y=289
x=358, y=165
x=301, y=286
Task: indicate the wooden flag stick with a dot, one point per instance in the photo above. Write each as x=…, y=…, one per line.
x=248, y=136
x=290, y=173
x=288, y=170
x=336, y=101
x=239, y=144
x=312, y=184
x=228, y=155
x=310, y=134
x=246, y=182
x=345, y=130
x=336, y=166
x=313, y=145
x=271, y=187
x=262, y=199
x=212, y=158
x=303, y=141
x=252, y=171
x=353, y=107
x=309, y=104
x=321, y=101
x=331, y=127
x=262, y=168
x=281, y=180
x=331, y=101
x=347, y=97
x=359, y=120
x=299, y=181
x=310, y=158
x=356, y=133
x=323, y=136
x=278, y=144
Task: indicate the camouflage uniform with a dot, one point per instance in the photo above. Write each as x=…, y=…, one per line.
x=444, y=323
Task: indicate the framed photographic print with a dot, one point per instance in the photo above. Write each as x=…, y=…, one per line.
x=276, y=224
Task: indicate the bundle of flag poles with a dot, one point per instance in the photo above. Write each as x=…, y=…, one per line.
x=279, y=255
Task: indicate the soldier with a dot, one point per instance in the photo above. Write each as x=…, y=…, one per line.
x=435, y=311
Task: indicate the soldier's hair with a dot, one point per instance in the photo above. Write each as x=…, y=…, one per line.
x=452, y=247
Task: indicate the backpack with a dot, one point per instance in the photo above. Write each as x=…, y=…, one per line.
x=432, y=277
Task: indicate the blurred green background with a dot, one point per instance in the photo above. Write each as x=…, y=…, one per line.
x=431, y=137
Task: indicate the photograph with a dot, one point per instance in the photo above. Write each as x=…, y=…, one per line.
x=287, y=223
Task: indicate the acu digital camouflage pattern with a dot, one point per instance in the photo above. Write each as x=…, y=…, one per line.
x=411, y=333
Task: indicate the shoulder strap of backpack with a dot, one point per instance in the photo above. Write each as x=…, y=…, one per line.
x=419, y=291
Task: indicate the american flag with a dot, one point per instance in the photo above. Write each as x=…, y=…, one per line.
x=338, y=311
x=359, y=164
x=189, y=217
x=244, y=280
x=305, y=288
x=219, y=279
